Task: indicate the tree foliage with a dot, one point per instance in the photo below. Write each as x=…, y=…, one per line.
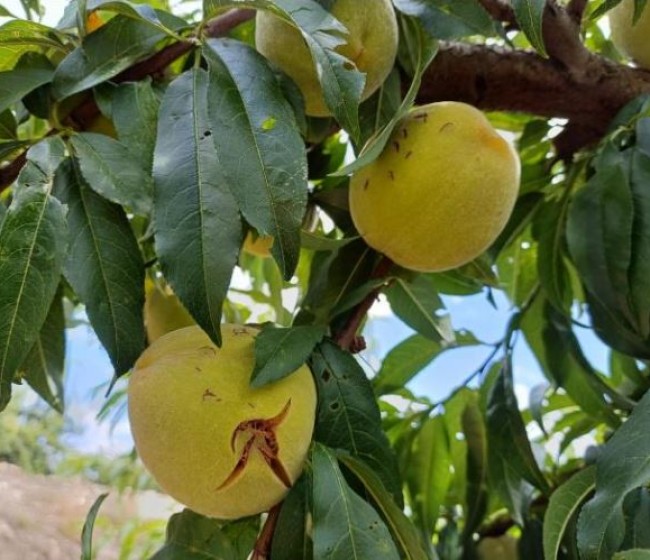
x=142, y=144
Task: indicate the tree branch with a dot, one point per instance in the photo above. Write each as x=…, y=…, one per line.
x=500, y=10
x=262, y=548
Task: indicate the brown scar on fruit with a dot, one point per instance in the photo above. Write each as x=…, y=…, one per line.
x=366, y=184
x=422, y=117
x=396, y=146
x=446, y=126
x=262, y=437
x=409, y=154
x=208, y=348
x=391, y=175
x=405, y=133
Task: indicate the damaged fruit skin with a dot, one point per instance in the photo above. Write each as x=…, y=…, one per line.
x=194, y=416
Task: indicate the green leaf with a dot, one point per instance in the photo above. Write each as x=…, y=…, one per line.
x=400, y=526
x=345, y=526
x=31, y=71
x=191, y=536
x=190, y=189
x=105, y=53
x=348, y=414
x=377, y=111
x=43, y=368
x=135, y=115
x=32, y=249
x=104, y=267
x=110, y=170
x=136, y=11
x=280, y=352
x=87, y=532
x=622, y=466
x=564, y=503
x=266, y=168
x=410, y=357
x=529, y=14
x=8, y=125
x=510, y=455
x=291, y=539
x=424, y=48
x=429, y=475
x=449, y=19
x=559, y=354
x=315, y=242
x=476, y=494
x=19, y=37
x=416, y=302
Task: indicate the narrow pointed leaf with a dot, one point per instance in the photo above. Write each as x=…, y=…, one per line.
x=32, y=248
x=344, y=526
x=104, y=267
x=279, y=352
x=105, y=53
x=348, y=414
x=109, y=169
x=529, y=14
x=89, y=525
x=43, y=368
x=291, y=539
x=265, y=166
x=197, y=226
x=564, y=503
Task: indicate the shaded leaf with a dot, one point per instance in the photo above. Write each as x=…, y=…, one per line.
x=400, y=526
x=110, y=170
x=279, y=352
x=33, y=70
x=89, y=524
x=348, y=415
x=105, y=53
x=43, y=368
x=191, y=536
x=622, y=466
x=345, y=527
x=197, y=258
x=32, y=249
x=411, y=356
x=266, y=168
x=291, y=539
x=104, y=266
x=529, y=14
x=563, y=505
x=416, y=302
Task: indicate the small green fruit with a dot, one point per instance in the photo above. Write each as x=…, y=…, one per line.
x=163, y=313
x=441, y=192
x=211, y=441
x=371, y=45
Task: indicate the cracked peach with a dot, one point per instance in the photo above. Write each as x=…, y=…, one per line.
x=629, y=37
x=371, y=45
x=212, y=442
x=163, y=312
x=441, y=191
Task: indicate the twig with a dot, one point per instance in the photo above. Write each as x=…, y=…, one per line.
x=576, y=9
x=500, y=11
x=262, y=548
x=346, y=337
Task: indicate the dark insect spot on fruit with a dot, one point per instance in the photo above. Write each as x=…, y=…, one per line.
x=197, y=368
x=208, y=349
x=207, y=134
x=422, y=117
x=446, y=126
x=408, y=154
x=251, y=405
x=366, y=184
x=405, y=133
x=396, y=146
x=391, y=175
x=335, y=405
x=207, y=394
x=326, y=376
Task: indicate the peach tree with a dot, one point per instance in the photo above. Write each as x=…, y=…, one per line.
x=142, y=144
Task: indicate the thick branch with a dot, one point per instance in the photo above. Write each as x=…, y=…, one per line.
x=499, y=10
x=493, y=78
